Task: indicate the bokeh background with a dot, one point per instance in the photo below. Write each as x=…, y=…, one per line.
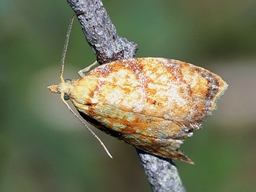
x=44, y=148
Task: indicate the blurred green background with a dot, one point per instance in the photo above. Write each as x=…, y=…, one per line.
x=44, y=148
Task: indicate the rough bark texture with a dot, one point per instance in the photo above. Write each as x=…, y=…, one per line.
x=102, y=36
x=100, y=32
x=162, y=173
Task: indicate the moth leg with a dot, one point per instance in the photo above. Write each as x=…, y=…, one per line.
x=82, y=72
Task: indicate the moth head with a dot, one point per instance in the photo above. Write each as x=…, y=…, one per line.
x=64, y=88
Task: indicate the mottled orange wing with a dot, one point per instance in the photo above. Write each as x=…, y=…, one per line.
x=159, y=87
x=152, y=134
x=151, y=103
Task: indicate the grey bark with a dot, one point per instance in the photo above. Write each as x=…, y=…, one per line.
x=102, y=36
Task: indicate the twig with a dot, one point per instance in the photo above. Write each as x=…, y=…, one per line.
x=162, y=173
x=102, y=36
x=100, y=32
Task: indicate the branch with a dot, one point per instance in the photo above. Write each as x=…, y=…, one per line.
x=162, y=173
x=102, y=36
x=100, y=32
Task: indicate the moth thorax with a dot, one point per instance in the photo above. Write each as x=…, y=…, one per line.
x=66, y=88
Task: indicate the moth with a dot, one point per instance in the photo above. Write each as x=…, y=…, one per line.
x=151, y=103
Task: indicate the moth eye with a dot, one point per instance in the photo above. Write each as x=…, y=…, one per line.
x=66, y=96
x=68, y=80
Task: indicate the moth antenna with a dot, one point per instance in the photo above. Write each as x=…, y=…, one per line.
x=65, y=48
x=87, y=127
x=64, y=53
